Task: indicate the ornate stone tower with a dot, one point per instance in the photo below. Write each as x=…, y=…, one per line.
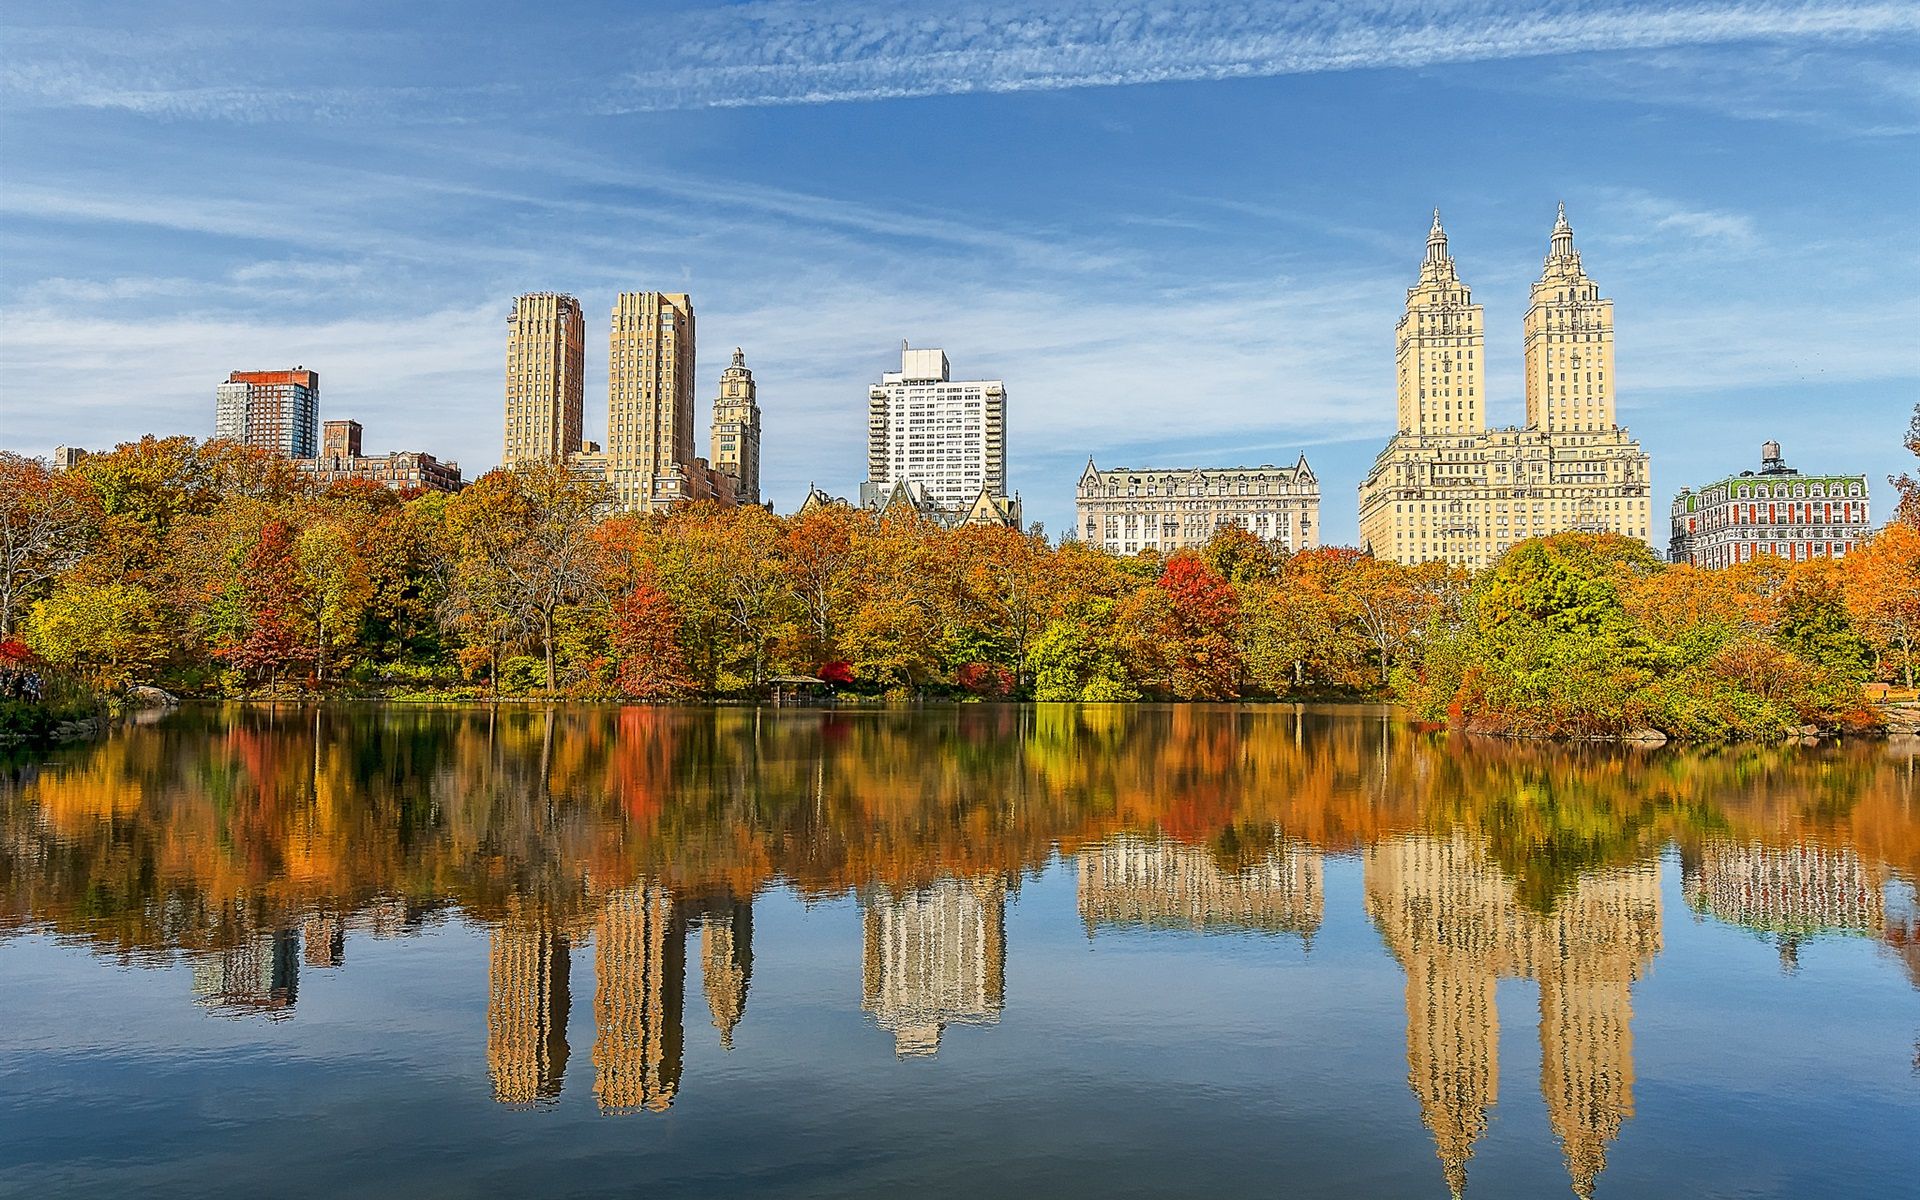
x=1441, y=349
x=736, y=430
x=1569, y=344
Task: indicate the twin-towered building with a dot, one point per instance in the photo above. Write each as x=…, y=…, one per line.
x=1447, y=487
x=648, y=461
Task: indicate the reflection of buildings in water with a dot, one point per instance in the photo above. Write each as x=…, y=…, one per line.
x=640, y=970
x=260, y=975
x=640, y=967
x=1789, y=893
x=1901, y=937
x=1134, y=881
x=397, y=916
x=324, y=940
x=528, y=999
x=933, y=956
x=1451, y=918
x=726, y=961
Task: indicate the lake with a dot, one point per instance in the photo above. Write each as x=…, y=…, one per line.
x=950, y=951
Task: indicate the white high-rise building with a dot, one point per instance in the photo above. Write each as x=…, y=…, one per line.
x=947, y=436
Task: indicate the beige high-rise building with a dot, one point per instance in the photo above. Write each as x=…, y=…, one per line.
x=649, y=456
x=546, y=372
x=1569, y=344
x=726, y=961
x=1440, y=348
x=736, y=430
x=1447, y=487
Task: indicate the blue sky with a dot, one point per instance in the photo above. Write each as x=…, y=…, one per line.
x=1181, y=233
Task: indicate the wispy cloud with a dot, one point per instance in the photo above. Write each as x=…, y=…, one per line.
x=786, y=52
x=1636, y=216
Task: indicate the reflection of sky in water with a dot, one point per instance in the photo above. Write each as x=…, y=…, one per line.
x=1231, y=1011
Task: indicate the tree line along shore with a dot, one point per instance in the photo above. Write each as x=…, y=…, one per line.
x=213, y=570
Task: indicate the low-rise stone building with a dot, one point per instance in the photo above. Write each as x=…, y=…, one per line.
x=1125, y=510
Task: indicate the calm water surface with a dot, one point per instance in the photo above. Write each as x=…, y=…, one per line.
x=1056, y=950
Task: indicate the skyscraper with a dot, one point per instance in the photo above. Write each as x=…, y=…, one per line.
x=736, y=430
x=546, y=371
x=947, y=437
x=726, y=961
x=1440, y=348
x=277, y=411
x=649, y=456
x=1448, y=488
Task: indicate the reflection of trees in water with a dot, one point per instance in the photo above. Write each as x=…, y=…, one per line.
x=202, y=831
x=257, y=839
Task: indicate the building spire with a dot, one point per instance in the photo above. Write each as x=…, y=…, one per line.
x=1436, y=240
x=1562, y=234
x=739, y=359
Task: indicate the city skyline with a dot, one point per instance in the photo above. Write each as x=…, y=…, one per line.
x=819, y=234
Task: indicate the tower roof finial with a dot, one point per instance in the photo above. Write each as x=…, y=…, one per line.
x=1436, y=240
x=1562, y=233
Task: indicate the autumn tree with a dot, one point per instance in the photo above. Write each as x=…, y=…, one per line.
x=1198, y=625
x=818, y=559
x=645, y=634
x=270, y=638
x=43, y=532
x=109, y=633
x=1814, y=622
x=1883, y=594
x=333, y=584
x=522, y=552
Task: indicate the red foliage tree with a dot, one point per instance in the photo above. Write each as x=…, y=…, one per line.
x=985, y=679
x=645, y=629
x=1202, y=654
x=270, y=643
